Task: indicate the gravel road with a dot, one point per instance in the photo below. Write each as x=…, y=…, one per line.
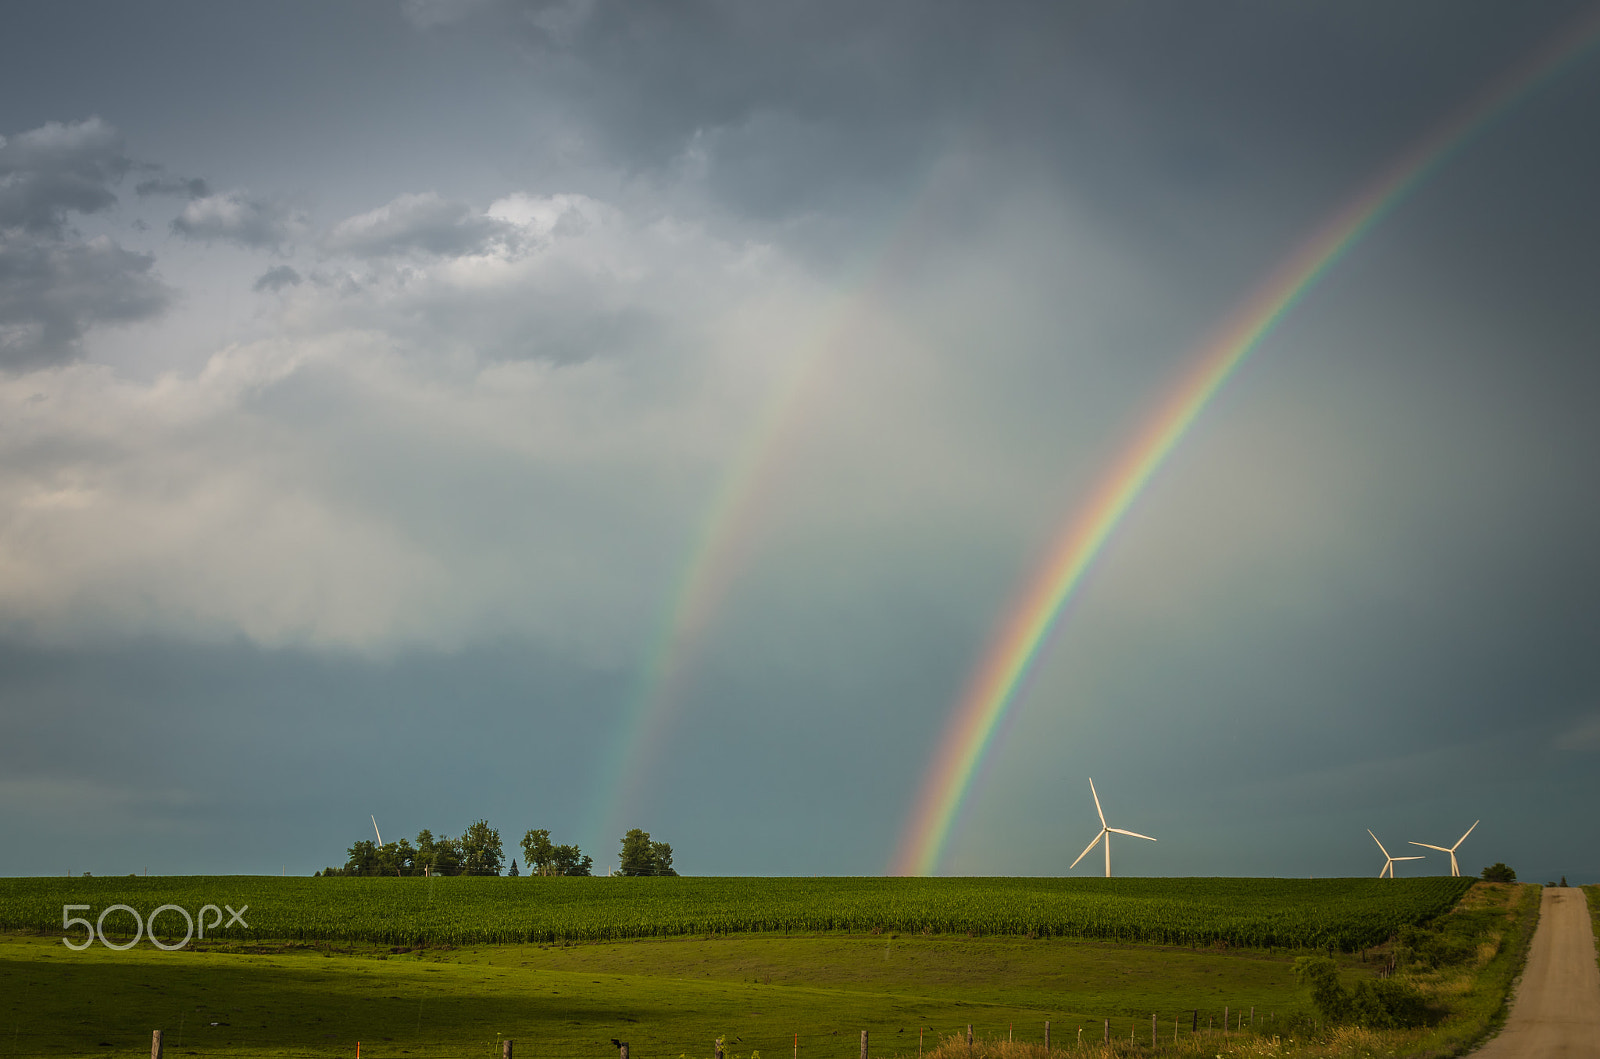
x=1556, y=1013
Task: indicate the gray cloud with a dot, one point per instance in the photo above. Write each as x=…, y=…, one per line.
x=51, y=291
x=422, y=223
x=186, y=187
x=428, y=14
x=58, y=168
x=54, y=285
x=277, y=278
x=239, y=217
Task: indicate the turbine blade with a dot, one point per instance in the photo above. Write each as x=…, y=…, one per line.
x=1131, y=834
x=1430, y=845
x=1463, y=838
x=1097, y=808
x=1408, y=858
x=1086, y=850
x=1380, y=844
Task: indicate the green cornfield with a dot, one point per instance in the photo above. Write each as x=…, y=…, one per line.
x=1343, y=914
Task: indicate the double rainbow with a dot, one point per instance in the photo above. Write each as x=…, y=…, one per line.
x=1013, y=654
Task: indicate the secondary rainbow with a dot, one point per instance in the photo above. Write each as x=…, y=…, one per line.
x=730, y=524
x=995, y=685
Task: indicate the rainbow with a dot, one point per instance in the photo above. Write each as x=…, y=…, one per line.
x=1012, y=655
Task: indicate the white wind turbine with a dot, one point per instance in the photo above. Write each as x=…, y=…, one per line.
x=1105, y=833
x=1388, y=865
x=1455, y=869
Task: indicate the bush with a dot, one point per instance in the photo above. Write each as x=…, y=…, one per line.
x=1498, y=872
x=1377, y=1004
x=1431, y=949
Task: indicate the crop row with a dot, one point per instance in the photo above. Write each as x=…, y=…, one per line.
x=1345, y=914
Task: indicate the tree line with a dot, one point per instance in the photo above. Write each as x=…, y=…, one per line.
x=479, y=851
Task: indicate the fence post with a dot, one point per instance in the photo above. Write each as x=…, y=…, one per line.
x=155, y=1044
x=1224, y=1020
x=505, y=1048
x=969, y=1038
x=716, y=1047
x=1108, y=1031
x=622, y=1050
x=1047, y=1035
x=1152, y=1031
x=1252, y=1015
x=863, y=1044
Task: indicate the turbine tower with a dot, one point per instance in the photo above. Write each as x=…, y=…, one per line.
x=1105, y=833
x=1455, y=869
x=1388, y=865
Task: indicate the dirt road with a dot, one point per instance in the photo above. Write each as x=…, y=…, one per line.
x=1556, y=1013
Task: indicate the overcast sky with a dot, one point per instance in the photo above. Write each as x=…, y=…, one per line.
x=373, y=374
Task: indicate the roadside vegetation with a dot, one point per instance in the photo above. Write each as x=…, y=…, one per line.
x=1592, y=894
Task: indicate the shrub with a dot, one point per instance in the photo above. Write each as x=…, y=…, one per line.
x=1498, y=872
x=1377, y=1004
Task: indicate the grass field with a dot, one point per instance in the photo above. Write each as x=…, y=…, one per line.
x=672, y=996
x=1345, y=914
x=666, y=997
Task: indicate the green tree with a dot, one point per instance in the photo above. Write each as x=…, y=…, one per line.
x=481, y=852
x=640, y=856
x=513, y=872
x=569, y=860
x=446, y=855
x=363, y=858
x=1498, y=872
x=538, y=851
x=427, y=855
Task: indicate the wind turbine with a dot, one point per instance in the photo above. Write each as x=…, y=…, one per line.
x=1455, y=869
x=375, y=831
x=1105, y=833
x=1388, y=866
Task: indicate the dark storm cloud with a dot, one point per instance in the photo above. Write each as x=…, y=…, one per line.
x=277, y=278
x=836, y=112
x=54, y=285
x=422, y=223
x=239, y=217
x=789, y=105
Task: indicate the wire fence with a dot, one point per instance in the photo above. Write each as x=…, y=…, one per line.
x=1193, y=1031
